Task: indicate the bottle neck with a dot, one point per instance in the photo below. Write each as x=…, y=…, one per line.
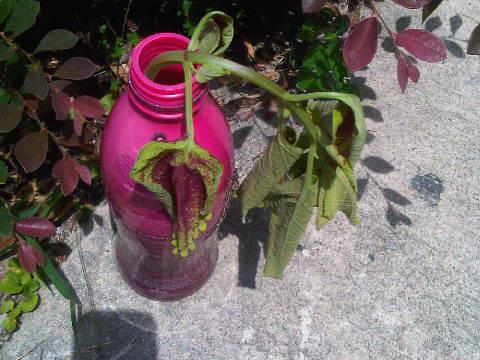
x=163, y=98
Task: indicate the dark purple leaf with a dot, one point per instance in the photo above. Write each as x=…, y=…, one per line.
x=402, y=73
x=474, y=42
x=36, y=83
x=422, y=44
x=64, y=170
x=312, y=6
x=31, y=150
x=89, y=106
x=29, y=257
x=58, y=39
x=84, y=173
x=10, y=116
x=59, y=84
x=360, y=45
x=61, y=103
x=35, y=227
x=78, y=121
x=413, y=4
x=413, y=73
x=32, y=107
x=76, y=68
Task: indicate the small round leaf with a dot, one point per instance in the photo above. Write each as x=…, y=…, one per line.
x=36, y=83
x=31, y=150
x=58, y=39
x=10, y=116
x=76, y=68
x=23, y=16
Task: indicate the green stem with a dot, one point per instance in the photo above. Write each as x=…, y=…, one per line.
x=187, y=70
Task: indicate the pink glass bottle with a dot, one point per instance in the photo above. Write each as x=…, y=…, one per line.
x=154, y=111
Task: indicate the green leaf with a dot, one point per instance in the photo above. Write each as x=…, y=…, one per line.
x=25, y=278
x=6, y=221
x=10, y=116
x=28, y=212
x=290, y=217
x=10, y=284
x=270, y=169
x=429, y=9
x=47, y=207
x=23, y=16
x=7, y=306
x=28, y=303
x=3, y=172
x=36, y=82
x=213, y=34
x=336, y=194
x=6, y=51
x=5, y=6
x=208, y=72
x=58, y=39
x=9, y=324
x=33, y=285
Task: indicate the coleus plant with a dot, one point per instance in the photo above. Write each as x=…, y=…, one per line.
x=312, y=168
x=360, y=45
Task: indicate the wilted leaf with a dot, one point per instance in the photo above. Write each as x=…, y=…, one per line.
x=35, y=227
x=287, y=225
x=22, y=17
x=412, y=4
x=36, y=82
x=168, y=171
x=58, y=39
x=6, y=221
x=76, y=68
x=270, y=169
x=402, y=72
x=89, y=106
x=213, y=34
x=65, y=171
x=5, y=51
x=61, y=103
x=422, y=44
x=29, y=257
x=360, y=45
x=31, y=150
x=5, y=6
x=474, y=42
x=312, y=6
x=10, y=116
x=3, y=172
x=430, y=8
x=208, y=72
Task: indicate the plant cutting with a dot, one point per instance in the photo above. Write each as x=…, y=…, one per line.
x=311, y=168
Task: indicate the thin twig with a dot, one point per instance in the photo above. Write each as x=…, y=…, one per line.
x=125, y=18
x=32, y=350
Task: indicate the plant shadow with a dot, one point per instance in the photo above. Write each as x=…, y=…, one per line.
x=252, y=237
x=115, y=335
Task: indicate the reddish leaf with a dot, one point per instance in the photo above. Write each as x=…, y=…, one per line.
x=35, y=227
x=360, y=45
x=61, y=103
x=84, y=173
x=89, y=106
x=29, y=257
x=402, y=73
x=64, y=170
x=312, y=6
x=31, y=150
x=422, y=44
x=6, y=241
x=413, y=4
x=474, y=42
x=413, y=73
x=78, y=121
x=76, y=68
x=32, y=107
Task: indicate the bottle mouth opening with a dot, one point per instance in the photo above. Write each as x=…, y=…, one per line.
x=167, y=90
